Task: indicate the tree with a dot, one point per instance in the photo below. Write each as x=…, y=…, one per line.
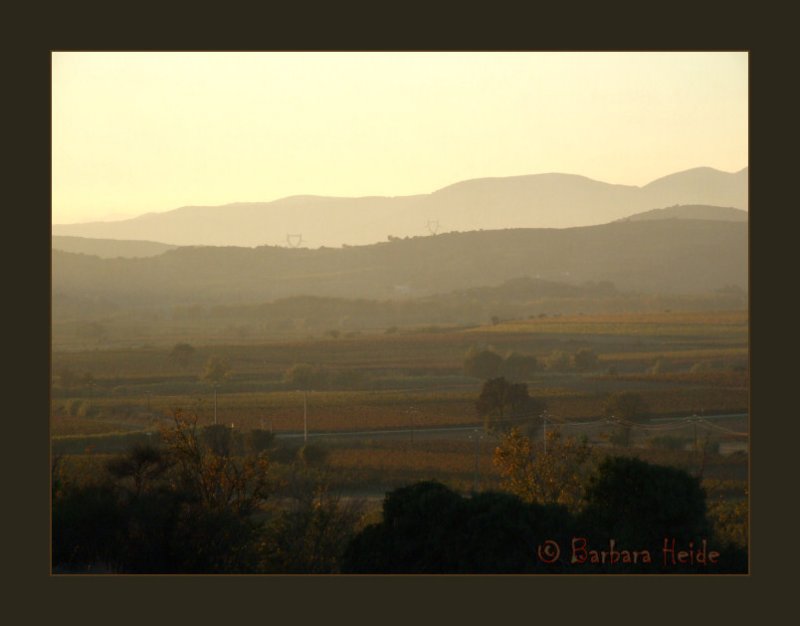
x=310, y=533
x=625, y=405
x=558, y=361
x=625, y=408
x=557, y=477
x=179, y=508
x=258, y=441
x=216, y=371
x=218, y=481
x=142, y=464
x=585, y=360
x=305, y=377
x=219, y=439
x=182, y=354
x=639, y=504
x=428, y=528
x=499, y=397
x=482, y=363
x=520, y=366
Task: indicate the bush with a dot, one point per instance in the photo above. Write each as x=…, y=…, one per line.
x=482, y=364
x=520, y=366
x=305, y=376
x=640, y=504
x=558, y=361
x=258, y=441
x=585, y=360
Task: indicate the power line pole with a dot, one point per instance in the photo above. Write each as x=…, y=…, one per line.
x=215, y=405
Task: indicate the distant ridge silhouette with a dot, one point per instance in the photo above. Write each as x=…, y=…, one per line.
x=533, y=201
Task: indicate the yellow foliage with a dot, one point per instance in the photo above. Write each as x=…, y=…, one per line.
x=555, y=477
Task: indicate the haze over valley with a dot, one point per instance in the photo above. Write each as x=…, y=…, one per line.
x=685, y=253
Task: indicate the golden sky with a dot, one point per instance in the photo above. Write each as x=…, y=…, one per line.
x=143, y=132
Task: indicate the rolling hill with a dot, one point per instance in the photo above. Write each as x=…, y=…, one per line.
x=533, y=201
x=691, y=212
x=109, y=248
x=651, y=256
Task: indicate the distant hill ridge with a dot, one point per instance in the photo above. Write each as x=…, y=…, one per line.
x=531, y=201
x=651, y=256
x=691, y=212
x=109, y=248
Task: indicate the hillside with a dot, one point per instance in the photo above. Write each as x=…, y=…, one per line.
x=109, y=248
x=533, y=201
x=691, y=212
x=651, y=256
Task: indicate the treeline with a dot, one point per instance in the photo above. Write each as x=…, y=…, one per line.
x=487, y=363
x=99, y=320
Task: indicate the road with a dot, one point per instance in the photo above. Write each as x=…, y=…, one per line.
x=439, y=431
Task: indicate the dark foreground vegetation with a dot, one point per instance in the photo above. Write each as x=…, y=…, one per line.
x=203, y=501
x=207, y=500
x=635, y=518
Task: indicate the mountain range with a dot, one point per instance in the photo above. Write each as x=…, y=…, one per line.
x=517, y=202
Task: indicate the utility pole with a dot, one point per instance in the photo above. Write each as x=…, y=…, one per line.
x=215, y=405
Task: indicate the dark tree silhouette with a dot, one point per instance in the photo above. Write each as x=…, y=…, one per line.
x=182, y=354
x=640, y=504
x=500, y=398
x=482, y=363
x=520, y=366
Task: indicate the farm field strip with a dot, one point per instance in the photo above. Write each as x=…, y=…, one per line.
x=654, y=324
x=702, y=353
x=283, y=411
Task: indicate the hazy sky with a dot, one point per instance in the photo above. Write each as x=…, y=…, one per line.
x=140, y=132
